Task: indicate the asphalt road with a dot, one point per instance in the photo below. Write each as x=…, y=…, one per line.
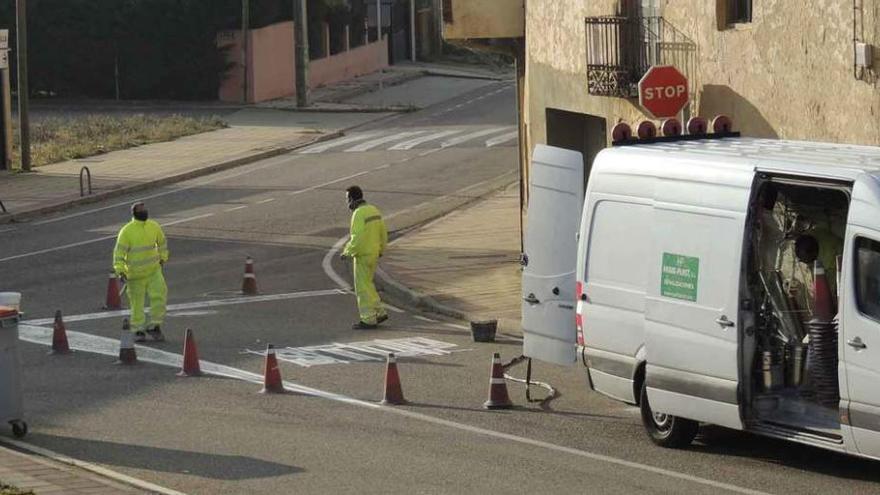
x=218, y=435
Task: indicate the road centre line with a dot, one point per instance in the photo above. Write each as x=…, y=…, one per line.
x=269, y=200
x=196, y=305
x=236, y=208
x=92, y=241
x=393, y=309
x=422, y=318
x=456, y=326
x=271, y=162
x=110, y=347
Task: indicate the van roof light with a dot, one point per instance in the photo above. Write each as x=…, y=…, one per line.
x=671, y=127
x=621, y=132
x=647, y=130
x=697, y=125
x=722, y=124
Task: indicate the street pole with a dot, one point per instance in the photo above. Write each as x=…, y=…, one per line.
x=23, y=120
x=301, y=52
x=245, y=27
x=379, y=40
x=412, y=30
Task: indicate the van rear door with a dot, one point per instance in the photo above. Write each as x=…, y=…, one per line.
x=691, y=326
x=556, y=195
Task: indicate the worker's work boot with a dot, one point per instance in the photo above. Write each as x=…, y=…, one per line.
x=140, y=336
x=156, y=333
x=381, y=318
x=361, y=325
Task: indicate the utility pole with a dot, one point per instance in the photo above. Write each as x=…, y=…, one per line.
x=412, y=30
x=23, y=120
x=245, y=34
x=301, y=51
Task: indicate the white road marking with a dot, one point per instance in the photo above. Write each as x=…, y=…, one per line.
x=331, y=182
x=196, y=305
x=191, y=313
x=88, y=466
x=10, y=229
x=92, y=241
x=360, y=352
x=473, y=135
x=422, y=318
x=271, y=162
x=393, y=309
x=412, y=143
x=237, y=208
x=382, y=140
x=109, y=347
x=426, y=153
x=320, y=148
x=502, y=139
x=457, y=326
x=265, y=201
x=326, y=264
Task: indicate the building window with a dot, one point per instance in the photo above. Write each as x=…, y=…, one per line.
x=739, y=11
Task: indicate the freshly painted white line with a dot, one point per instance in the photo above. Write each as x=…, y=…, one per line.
x=495, y=141
x=473, y=135
x=457, y=326
x=199, y=183
x=269, y=200
x=422, y=318
x=236, y=208
x=329, y=183
x=88, y=466
x=196, y=305
x=327, y=265
x=412, y=143
x=10, y=229
x=382, y=140
x=92, y=241
x=109, y=347
x=426, y=153
x=320, y=148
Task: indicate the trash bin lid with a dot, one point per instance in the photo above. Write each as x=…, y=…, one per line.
x=8, y=312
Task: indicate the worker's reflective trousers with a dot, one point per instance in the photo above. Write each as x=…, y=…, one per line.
x=369, y=305
x=153, y=285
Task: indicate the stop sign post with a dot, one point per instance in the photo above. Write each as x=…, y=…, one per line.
x=663, y=91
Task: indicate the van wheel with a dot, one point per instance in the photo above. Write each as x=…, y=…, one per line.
x=666, y=430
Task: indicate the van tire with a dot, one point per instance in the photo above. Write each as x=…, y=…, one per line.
x=671, y=431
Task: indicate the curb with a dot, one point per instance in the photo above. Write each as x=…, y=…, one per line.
x=192, y=174
x=91, y=468
x=407, y=296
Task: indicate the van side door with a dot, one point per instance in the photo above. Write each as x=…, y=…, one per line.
x=691, y=327
x=556, y=196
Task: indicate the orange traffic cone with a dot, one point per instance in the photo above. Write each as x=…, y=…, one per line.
x=272, y=383
x=59, y=336
x=127, y=354
x=393, y=391
x=249, y=284
x=822, y=305
x=498, y=398
x=114, y=301
x=190, y=356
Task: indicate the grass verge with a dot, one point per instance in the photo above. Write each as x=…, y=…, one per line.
x=11, y=490
x=58, y=139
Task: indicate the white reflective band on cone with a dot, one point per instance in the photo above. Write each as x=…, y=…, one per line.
x=496, y=381
x=249, y=275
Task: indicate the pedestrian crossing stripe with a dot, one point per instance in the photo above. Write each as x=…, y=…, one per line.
x=360, y=352
x=398, y=140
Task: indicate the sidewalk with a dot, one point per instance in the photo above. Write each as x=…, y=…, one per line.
x=42, y=476
x=464, y=265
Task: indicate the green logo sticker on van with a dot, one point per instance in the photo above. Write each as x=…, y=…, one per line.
x=679, y=279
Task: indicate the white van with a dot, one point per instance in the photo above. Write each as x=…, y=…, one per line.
x=694, y=290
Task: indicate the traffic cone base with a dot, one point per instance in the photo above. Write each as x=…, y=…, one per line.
x=249, y=283
x=190, y=356
x=272, y=383
x=393, y=390
x=498, y=398
x=113, y=300
x=127, y=354
x=59, y=336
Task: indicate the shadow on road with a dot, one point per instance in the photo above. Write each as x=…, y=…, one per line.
x=213, y=466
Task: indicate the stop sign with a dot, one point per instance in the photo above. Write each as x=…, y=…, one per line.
x=663, y=91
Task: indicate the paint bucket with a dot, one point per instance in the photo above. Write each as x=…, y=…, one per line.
x=484, y=331
x=11, y=299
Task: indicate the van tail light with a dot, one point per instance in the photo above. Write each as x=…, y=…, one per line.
x=578, y=314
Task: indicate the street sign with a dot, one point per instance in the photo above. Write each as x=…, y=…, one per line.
x=4, y=39
x=663, y=91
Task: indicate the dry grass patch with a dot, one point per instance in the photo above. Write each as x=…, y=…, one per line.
x=11, y=490
x=58, y=139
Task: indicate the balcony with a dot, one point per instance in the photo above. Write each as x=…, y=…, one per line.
x=483, y=19
x=621, y=49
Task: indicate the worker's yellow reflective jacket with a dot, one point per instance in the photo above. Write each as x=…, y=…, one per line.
x=140, y=246
x=368, y=233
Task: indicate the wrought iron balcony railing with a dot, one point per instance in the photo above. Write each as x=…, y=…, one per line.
x=621, y=49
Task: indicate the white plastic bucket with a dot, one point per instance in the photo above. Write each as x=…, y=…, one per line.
x=11, y=299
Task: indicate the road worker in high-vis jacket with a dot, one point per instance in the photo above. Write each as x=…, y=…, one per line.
x=367, y=243
x=141, y=251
